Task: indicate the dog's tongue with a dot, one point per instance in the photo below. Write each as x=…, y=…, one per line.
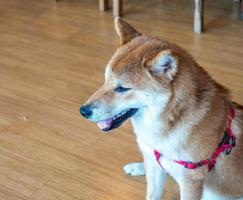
x=105, y=124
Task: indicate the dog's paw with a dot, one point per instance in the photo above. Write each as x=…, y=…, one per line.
x=134, y=169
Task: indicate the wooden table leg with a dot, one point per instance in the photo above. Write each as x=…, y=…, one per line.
x=199, y=16
x=103, y=5
x=117, y=8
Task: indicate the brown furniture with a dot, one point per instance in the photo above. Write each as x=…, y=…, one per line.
x=117, y=6
x=241, y=9
x=198, y=13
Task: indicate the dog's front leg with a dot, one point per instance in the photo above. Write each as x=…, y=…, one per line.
x=155, y=177
x=191, y=189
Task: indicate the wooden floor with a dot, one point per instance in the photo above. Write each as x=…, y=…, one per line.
x=52, y=57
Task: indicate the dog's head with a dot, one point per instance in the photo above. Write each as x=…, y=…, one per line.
x=139, y=75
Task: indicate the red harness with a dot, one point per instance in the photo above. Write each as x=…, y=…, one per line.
x=226, y=145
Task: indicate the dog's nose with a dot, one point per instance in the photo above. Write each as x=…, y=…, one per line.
x=86, y=111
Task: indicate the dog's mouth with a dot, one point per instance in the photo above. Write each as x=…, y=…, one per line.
x=117, y=120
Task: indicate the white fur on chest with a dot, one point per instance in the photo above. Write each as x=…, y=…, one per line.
x=149, y=128
x=149, y=131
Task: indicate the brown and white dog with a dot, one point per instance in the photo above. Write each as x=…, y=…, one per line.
x=177, y=109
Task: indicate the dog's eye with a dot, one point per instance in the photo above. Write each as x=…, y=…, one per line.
x=121, y=89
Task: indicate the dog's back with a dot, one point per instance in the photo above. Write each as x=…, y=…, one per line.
x=227, y=177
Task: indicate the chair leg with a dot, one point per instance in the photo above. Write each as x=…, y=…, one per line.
x=103, y=5
x=199, y=16
x=241, y=9
x=117, y=8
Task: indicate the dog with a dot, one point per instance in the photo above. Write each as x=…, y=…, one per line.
x=185, y=123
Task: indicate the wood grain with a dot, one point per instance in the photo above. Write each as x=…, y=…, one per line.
x=52, y=58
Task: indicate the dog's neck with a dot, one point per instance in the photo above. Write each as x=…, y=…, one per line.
x=194, y=95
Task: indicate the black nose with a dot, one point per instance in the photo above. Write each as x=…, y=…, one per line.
x=86, y=111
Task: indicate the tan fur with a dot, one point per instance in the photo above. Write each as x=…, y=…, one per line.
x=195, y=100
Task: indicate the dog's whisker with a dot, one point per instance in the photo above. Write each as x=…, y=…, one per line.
x=149, y=113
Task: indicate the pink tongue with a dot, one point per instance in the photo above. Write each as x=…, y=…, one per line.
x=105, y=124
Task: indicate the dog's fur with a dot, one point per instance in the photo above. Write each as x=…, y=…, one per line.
x=182, y=113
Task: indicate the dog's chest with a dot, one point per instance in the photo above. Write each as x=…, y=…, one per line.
x=150, y=137
x=148, y=127
x=149, y=130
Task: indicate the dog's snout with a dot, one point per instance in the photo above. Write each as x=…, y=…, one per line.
x=86, y=111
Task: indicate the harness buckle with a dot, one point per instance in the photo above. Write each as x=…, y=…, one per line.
x=232, y=141
x=227, y=151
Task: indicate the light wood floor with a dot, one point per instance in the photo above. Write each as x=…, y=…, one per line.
x=52, y=57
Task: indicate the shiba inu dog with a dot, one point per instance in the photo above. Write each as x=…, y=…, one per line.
x=185, y=123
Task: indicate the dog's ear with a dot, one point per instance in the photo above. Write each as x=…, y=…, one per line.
x=163, y=64
x=125, y=31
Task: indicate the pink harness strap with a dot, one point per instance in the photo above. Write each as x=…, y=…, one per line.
x=226, y=145
x=157, y=156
